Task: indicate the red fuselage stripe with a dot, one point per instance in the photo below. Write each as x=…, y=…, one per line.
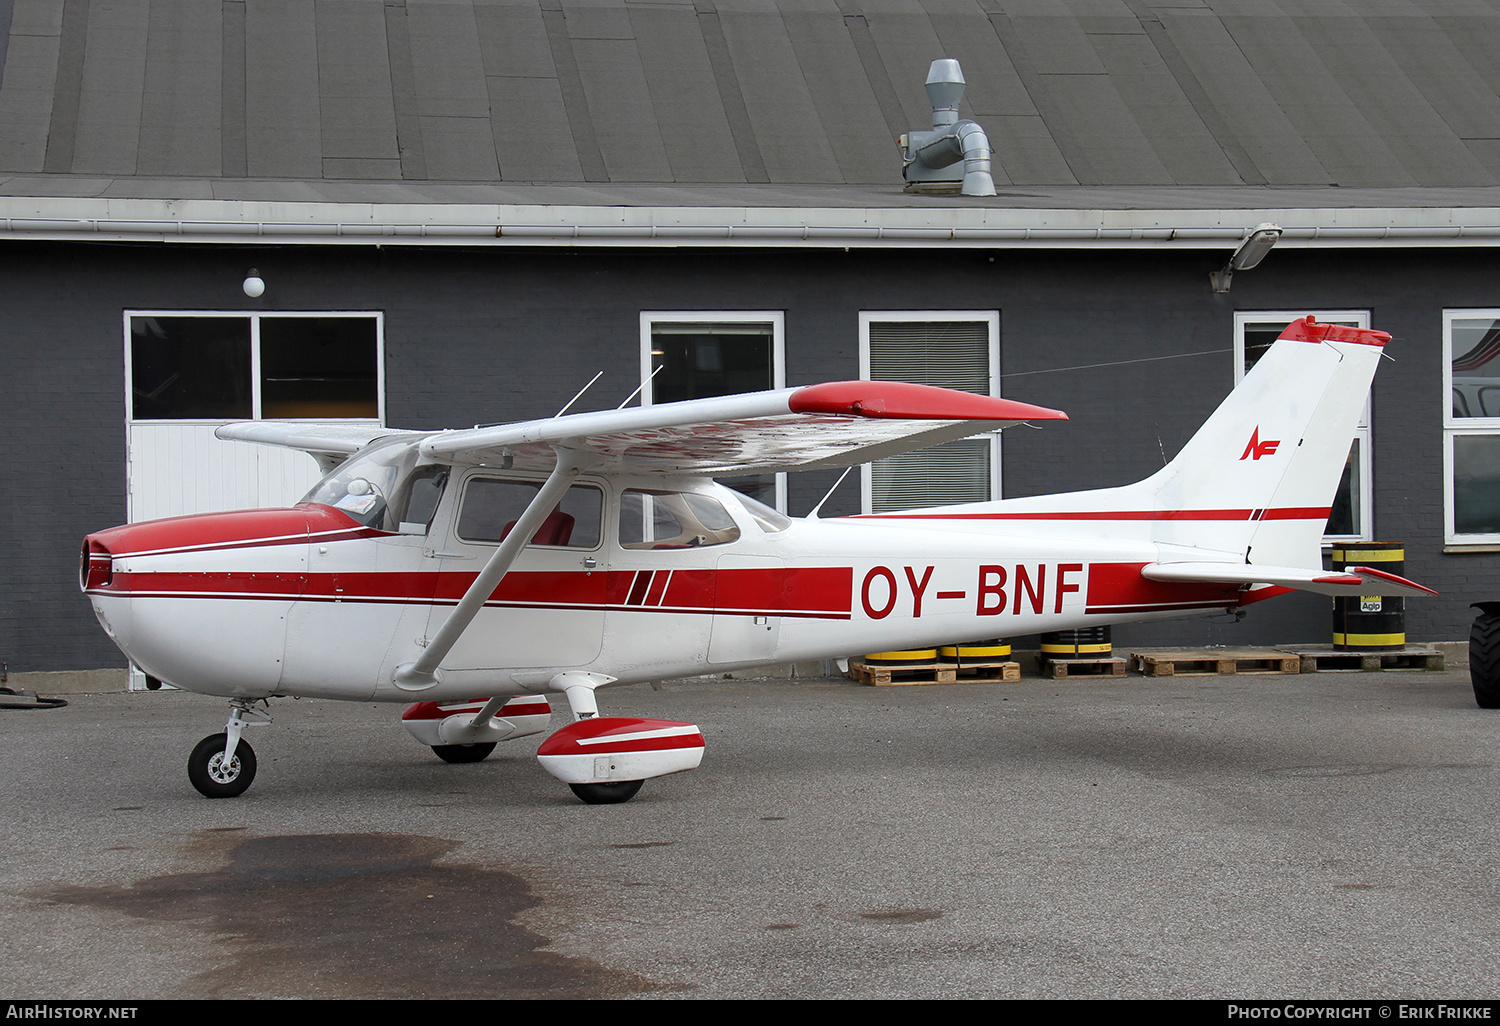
x=810, y=592
x=1120, y=588
x=1286, y=513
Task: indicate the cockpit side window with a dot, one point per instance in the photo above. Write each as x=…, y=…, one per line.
x=416, y=499
x=492, y=506
x=673, y=520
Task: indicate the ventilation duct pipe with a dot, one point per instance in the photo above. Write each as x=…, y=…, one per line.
x=927, y=157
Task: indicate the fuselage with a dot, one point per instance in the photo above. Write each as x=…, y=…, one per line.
x=313, y=601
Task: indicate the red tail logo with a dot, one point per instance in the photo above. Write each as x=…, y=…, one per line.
x=1256, y=449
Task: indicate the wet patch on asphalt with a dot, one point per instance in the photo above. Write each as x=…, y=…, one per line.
x=1315, y=772
x=903, y=915
x=356, y=916
x=645, y=844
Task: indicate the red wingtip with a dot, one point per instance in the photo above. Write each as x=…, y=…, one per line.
x=1306, y=329
x=901, y=400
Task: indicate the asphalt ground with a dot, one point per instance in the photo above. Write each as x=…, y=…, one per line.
x=1319, y=836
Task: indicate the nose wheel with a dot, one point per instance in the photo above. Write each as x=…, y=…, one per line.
x=215, y=777
x=223, y=766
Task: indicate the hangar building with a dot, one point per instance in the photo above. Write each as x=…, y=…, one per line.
x=462, y=209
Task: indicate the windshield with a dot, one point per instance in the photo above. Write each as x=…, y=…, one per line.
x=766, y=518
x=382, y=487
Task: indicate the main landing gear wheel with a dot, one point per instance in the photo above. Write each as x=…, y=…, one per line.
x=611, y=793
x=464, y=753
x=1484, y=657
x=209, y=774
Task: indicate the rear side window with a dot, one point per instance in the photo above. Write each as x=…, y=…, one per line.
x=673, y=520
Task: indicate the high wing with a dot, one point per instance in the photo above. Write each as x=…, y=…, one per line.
x=329, y=444
x=837, y=424
x=1356, y=580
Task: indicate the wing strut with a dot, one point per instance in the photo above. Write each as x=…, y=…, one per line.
x=424, y=673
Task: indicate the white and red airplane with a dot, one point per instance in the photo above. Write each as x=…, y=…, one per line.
x=478, y=571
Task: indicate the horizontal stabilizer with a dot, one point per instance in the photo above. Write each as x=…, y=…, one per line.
x=1356, y=580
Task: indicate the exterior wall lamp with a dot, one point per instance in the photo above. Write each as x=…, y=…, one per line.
x=1251, y=251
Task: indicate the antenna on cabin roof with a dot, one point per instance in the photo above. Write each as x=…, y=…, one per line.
x=931, y=160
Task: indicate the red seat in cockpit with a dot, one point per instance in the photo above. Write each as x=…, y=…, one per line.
x=557, y=529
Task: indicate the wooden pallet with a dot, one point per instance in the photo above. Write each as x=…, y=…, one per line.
x=1061, y=669
x=975, y=671
x=1185, y=662
x=1326, y=659
x=884, y=676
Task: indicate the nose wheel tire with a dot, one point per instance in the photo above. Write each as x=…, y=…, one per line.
x=464, y=753
x=212, y=777
x=612, y=793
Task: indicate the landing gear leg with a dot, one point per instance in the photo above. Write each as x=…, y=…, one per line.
x=579, y=687
x=222, y=765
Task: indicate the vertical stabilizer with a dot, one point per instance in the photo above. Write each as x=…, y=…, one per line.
x=1259, y=477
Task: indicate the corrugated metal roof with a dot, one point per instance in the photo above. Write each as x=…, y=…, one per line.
x=1106, y=94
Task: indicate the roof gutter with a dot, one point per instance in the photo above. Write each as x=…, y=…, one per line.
x=326, y=223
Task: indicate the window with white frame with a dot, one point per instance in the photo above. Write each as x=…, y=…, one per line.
x=699, y=353
x=949, y=349
x=1351, y=517
x=1471, y=426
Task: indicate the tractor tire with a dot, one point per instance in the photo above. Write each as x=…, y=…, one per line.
x=1484, y=658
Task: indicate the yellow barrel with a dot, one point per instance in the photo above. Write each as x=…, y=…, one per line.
x=976, y=651
x=907, y=657
x=1369, y=621
x=1077, y=644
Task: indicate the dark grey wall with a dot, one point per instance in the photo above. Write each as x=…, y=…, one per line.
x=491, y=335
